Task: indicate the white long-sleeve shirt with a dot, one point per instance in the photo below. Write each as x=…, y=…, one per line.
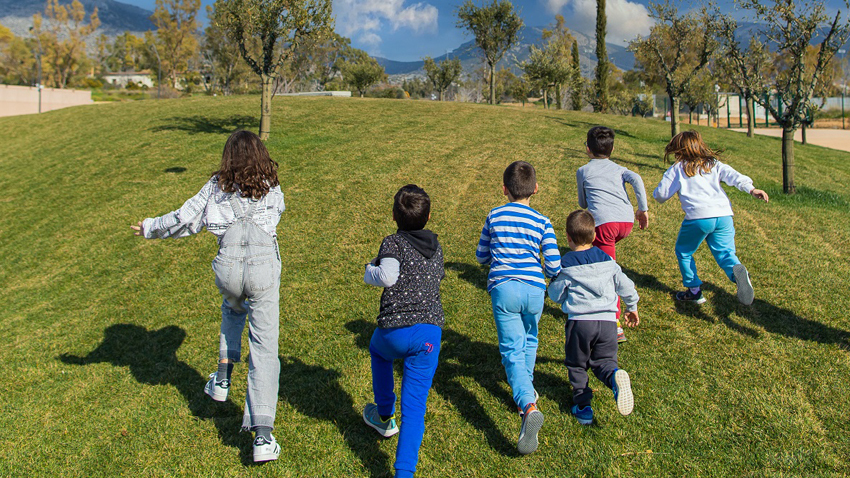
x=211, y=208
x=701, y=196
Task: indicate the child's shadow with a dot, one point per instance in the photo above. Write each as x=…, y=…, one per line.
x=461, y=357
x=315, y=392
x=773, y=319
x=152, y=359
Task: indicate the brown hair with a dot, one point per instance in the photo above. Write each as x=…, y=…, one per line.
x=246, y=166
x=689, y=149
x=580, y=227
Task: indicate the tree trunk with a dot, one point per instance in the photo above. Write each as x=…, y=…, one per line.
x=804, y=133
x=788, y=161
x=266, y=107
x=441, y=95
x=545, y=98
x=492, y=84
x=751, y=116
x=557, y=96
x=674, y=115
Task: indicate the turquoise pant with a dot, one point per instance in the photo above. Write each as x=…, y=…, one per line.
x=718, y=233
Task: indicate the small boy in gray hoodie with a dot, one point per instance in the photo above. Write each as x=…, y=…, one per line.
x=587, y=289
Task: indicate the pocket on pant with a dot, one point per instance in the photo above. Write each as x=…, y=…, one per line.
x=223, y=269
x=262, y=273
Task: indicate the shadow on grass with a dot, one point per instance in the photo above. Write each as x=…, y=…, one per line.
x=315, y=391
x=723, y=304
x=462, y=357
x=175, y=170
x=152, y=359
x=206, y=125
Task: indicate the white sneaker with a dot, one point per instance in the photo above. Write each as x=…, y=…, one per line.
x=745, y=286
x=265, y=450
x=217, y=389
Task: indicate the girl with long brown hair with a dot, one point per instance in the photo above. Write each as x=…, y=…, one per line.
x=241, y=205
x=695, y=176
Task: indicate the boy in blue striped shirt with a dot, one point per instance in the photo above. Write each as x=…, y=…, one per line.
x=513, y=237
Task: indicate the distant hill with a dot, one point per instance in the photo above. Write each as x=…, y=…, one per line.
x=471, y=58
x=115, y=17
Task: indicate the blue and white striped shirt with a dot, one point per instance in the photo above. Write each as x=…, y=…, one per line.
x=511, y=241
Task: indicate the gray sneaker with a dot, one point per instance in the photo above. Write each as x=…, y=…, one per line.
x=217, y=389
x=265, y=450
x=372, y=418
x=621, y=385
x=746, y=294
x=532, y=422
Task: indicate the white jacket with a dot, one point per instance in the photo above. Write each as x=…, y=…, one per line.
x=702, y=196
x=211, y=208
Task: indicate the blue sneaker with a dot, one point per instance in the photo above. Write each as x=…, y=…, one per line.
x=622, y=387
x=688, y=296
x=372, y=418
x=584, y=415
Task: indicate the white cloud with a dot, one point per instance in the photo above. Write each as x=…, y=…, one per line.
x=626, y=19
x=368, y=19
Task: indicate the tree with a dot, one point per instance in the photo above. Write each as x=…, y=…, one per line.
x=362, y=71
x=496, y=28
x=222, y=53
x=326, y=56
x=125, y=53
x=603, y=69
x=442, y=75
x=559, y=39
x=519, y=89
x=176, y=24
x=575, y=78
x=63, y=38
x=800, y=71
x=278, y=27
x=677, y=48
x=547, y=68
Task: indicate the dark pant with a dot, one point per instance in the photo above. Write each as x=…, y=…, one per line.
x=590, y=344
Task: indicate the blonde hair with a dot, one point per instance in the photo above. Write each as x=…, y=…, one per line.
x=689, y=149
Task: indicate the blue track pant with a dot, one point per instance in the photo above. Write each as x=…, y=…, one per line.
x=718, y=233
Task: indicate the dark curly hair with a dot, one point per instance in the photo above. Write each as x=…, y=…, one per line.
x=246, y=166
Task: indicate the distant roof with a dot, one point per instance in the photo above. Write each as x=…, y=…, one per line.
x=129, y=73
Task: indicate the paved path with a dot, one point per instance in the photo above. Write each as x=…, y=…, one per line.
x=828, y=138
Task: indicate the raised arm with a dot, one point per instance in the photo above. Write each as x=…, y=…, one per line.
x=187, y=220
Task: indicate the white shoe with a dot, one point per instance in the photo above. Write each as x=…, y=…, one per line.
x=745, y=286
x=265, y=450
x=217, y=389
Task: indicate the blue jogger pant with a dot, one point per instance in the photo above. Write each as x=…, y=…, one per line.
x=718, y=233
x=419, y=347
x=517, y=307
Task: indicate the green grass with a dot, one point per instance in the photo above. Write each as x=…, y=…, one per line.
x=107, y=338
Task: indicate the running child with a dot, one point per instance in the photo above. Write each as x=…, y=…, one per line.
x=587, y=288
x=513, y=237
x=241, y=205
x=409, y=267
x=695, y=177
x=601, y=186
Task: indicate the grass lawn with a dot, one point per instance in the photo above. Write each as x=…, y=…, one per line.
x=108, y=338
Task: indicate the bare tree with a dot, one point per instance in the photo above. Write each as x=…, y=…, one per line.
x=677, y=48
x=800, y=69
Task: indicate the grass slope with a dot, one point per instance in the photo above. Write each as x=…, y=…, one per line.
x=107, y=338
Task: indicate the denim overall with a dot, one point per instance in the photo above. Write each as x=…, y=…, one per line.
x=247, y=273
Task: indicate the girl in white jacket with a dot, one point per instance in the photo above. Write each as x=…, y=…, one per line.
x=696, y=177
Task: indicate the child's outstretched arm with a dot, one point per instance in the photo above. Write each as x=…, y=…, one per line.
x=187, y=220
x=759, y=194
x=625, y=288
x=482, y=253
x=551, y=254
x=636, y=181
x=668, y=186
x=559, y=288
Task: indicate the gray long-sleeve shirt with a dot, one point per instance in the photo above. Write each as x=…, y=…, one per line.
x=601, y=185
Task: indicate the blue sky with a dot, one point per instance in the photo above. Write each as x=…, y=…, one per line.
x=407, y=30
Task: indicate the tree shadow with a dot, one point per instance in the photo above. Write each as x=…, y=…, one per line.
x=152, y=359
x=175, y=170
x=574, y=123
x=463, y=358
x=315, y=391
x=206, y=125
x=771, y=318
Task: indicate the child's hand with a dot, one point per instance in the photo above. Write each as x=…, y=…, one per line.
x=631, y=319
x=642, y=218
x=759, y=194
x=139, y=228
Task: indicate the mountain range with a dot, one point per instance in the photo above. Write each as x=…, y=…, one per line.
x=115, y=17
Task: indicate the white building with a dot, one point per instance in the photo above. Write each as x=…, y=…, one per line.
x=122, y=79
